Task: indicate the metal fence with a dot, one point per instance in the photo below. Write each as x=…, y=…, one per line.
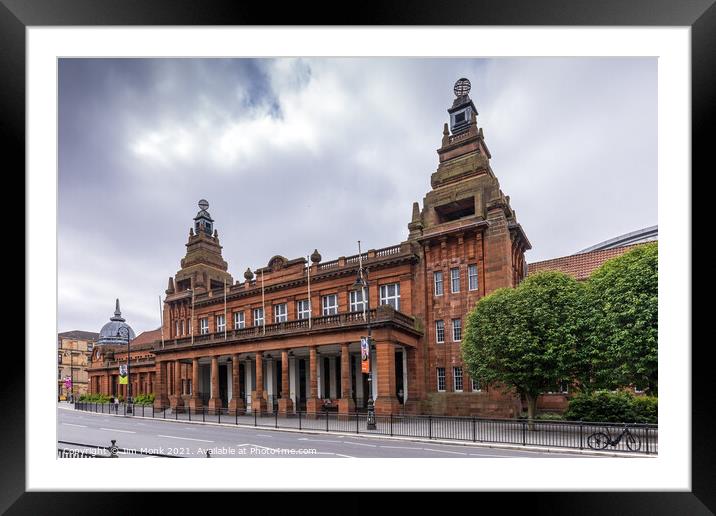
x=553, y=434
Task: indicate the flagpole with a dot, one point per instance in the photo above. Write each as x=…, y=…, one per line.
x=263, y=303
x=308, y=269
x=161, y=320
x=225, y=322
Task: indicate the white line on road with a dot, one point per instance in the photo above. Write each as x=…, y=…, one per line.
x=400, y=447
x=488, y=456
x=444, y=451
x=319, y=440
x=117, y=430
x=360, y=444
x=185, y=438
x=264, y=435
x=71, y=424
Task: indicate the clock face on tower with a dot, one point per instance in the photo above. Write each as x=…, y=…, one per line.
x=462, y=87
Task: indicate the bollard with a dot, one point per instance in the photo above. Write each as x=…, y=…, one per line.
x=299, y=419
x=276, y=418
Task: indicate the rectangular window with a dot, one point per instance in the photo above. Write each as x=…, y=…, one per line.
x=476, y=385
x=457, y=378
x=280, y=313
x=258, y=316
x=356, y=301
x=239, y=321
x=472, y=277
x=438, y=279
x=456, y=330
x=330, y=304
x=176, y=330
x=303, y=309
x=455, y=280
x=440, y=331
x=204, y=325
x=220, y=323
x=390, y=295
x=189, y=329
x=182, y=327
x=441, y=379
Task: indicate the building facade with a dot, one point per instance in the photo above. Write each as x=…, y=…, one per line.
x=74, y=349
x=287, y=337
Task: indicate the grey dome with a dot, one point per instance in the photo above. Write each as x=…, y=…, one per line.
x=109, y=334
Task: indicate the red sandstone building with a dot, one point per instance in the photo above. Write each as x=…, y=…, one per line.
x=264, y=343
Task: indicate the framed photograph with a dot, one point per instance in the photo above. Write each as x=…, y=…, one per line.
x=302, y=224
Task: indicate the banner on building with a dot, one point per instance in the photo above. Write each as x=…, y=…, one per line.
x=364, y=355
x=68, y=382
x=123, y=379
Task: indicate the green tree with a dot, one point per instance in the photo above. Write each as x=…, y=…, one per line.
x=526, y=338
x=621, y=315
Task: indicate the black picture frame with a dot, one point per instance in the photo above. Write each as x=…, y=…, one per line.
x=699, y=15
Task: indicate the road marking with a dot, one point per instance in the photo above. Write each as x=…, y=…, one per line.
x=319, y=440
x=117, y=430
x=264, y=435
x=444, y=451
x=185, y=438
x=400, y=447
x=487, y=456
x=72, y=424
x=360, y=444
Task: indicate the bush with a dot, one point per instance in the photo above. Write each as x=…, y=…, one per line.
x=94, y=398
x=144, y=399
x=550, y=416
x=612, y=407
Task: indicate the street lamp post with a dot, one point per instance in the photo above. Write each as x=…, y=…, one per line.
x=124, y=333
x=361, y=285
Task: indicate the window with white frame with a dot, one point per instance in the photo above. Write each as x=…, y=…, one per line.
x=357, y=303
x=239, y=321
x=280, y=313
x=457, y=378
x=182, y=327
x=441, y=379
x=440, y=331
x=258, y=316
x=390, y=295
x=456, y=330
x=220, y=323
x=330, y=304
x=475, y=385
x=438, y=280
x=176, y=329
x=204, y=325
x=472, y=277
x=303, y=309
x=455, y=280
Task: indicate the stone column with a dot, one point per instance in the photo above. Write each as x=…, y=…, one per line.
x=285, y=403
x=345, y=404
x=386, y=402
x=312, y=404
x=176, y=400
x=236, y=404
x=161, y=399
x=214, y=400
x=258, y=403
x=195, y=402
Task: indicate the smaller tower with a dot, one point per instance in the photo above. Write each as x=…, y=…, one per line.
x=203, y=221
x=462, y=110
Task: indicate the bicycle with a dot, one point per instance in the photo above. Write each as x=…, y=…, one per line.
x=600, y=440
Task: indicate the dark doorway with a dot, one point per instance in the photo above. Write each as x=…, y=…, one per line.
x=399, y=388
x=302, y=384
x=223, y=384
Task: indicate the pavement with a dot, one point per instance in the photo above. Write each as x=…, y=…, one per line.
x=157, y=438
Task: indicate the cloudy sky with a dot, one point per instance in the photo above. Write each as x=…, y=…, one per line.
x=297, y=154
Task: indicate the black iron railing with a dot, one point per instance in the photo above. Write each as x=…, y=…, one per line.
x=552, y=434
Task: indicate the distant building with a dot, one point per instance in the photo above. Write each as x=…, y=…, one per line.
x=74, y=349
x=582, y=264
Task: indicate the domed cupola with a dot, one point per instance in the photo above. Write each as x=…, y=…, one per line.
x=110, y=334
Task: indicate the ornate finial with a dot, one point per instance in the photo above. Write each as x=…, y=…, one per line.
x=446, y=135
x=248, y=275
x=117, y=311
x=191, y=232
x=170, y=286
x=446, y=131
x=416, y=212
x=316, y=256
x=462, y=87
x=203, y=204
x=216, y=233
